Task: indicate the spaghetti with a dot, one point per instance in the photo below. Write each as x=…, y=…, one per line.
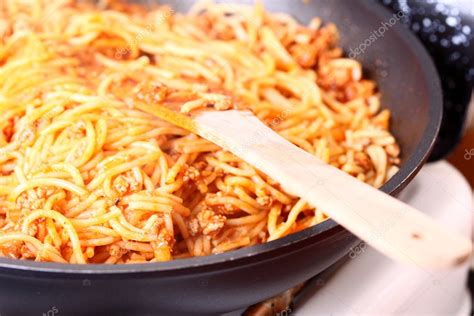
x=85, y=177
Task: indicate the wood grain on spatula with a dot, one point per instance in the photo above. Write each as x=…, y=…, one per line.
x=385, y=223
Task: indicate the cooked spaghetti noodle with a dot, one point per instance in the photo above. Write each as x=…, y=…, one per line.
x=85, y=177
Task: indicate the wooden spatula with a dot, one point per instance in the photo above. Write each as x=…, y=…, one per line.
x=387, y=224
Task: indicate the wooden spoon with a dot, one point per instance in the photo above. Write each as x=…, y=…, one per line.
x=392, y=227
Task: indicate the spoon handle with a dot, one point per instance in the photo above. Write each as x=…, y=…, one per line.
x=387, y=224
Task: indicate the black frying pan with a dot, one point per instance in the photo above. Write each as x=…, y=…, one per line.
x=226, y=282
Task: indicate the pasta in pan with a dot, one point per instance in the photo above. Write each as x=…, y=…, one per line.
x=85, y=177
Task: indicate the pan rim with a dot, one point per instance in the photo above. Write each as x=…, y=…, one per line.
x=407, y=171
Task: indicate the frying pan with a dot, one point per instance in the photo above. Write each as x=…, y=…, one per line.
x=225, y=282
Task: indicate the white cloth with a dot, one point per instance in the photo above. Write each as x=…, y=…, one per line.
x=371, y=284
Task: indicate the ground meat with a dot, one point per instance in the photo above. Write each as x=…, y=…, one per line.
x=165, y=238
x=363, y=161
x=25, y=202
x=265, y=201
x=12, y=249
x=117, y=251
x=191, y=173
x=9, y=130
x=35, y=200
x=220, y=102
x=151, y=93
x=121, y=185
x=307, y=55
x=304, y=54
x=193, y=226
x=206, y=222
x=126, y=183
x=210, y=222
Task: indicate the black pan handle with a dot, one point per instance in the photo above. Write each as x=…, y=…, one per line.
x=446, y=29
